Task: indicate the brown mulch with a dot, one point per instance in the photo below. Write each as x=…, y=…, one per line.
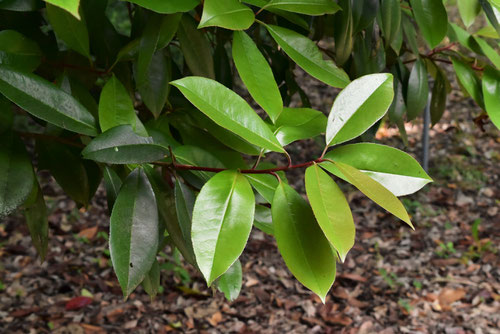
x=437, y=279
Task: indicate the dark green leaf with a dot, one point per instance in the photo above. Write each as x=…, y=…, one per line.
x=167, y=7
x=432, y=20
x=184, y=205
x=418, y=90
x=20, y=5
x=35, y=212
x=18, y=51
x=228, y=14
x=491, y=91
x=115, y=106
x=154, y=89
x=492, y=14
x=151, y=282
x=343, y=32
x=363, y=13
x=230, y=282
x=196, y=156
x=469, y=80
x=438, y=100
x=390, y=17
x=308, y=7
x=112, y=183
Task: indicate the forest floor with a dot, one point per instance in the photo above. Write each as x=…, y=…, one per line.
x=442, y=278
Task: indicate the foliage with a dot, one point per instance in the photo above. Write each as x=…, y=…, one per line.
x=139, y=94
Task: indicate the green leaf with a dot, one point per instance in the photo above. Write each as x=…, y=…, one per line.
x=222, y=221
x=228, y=14
x=396, y=170
x=418, y=90
x=308, y=7
x=291, y=17
x=228, y=110
x=154, y=89
x=263, y=219
x=196, y=156
x=115, y=106
x=390, y=17
x=112, y=183
x=35, y=212
x=343, y=32
x=491, y=91
x=469, y=80
x=299, y=123
x=331, y=210
x=71, y=6
x=168, y=29
x=363, y=13
x=375, y=191
x=18, y=51
x=71, y=30
x=121, y=145
x=468, y=9
x=133, y=234
x=438, y=100
x=167, y=7
x=230, y=282
x=492, y=13
x=306, y=54
x=6, y=115
x=151, y=282
x=265, y=184
x=44, y=100
x=432, y=20
x=196, y=48
x=360, y=105
x=301, y=242
x=256, y=74
x=184, y=205
x=488, y=51
x=16, y=173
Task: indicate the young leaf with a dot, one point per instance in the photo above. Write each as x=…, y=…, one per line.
x=121, y=145
x=16, y=173
x=44, y=100
x=115, y=106
x=228, y=110
x=18, y=51
x=432, y=20
x=256, y=74
x=396, y=170
x=375, y=191
x=360, y=105
x=491, y=92
x=71, y=6
x=167, y=7
x=230, y=282
x=306, y=54
x=228, y=14
x=418, y=90
x=301, y=242
x=469, y=80
x=222, y=221
x=133, y=234
x=35, y=212
x=308, y=7
x=331, y=210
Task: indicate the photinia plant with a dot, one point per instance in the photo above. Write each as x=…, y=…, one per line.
x=139, y=95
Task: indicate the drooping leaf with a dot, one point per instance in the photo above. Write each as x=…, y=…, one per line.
x=121, y=145
x=438, y=100
x=230, y=282
x=469, y=80
x=418, y=90
x=44, y=100
x=155, y=88
x=115, y=106
x=18, y=51
x=343, y=32
x=362, y=103
x=70, y=6
x=222, y=220
x=331, y=210
x=390, y=17
x=228, y=110
x=491, y=92
x=167, y=7
x=16, y=173
x=133, y=235
x=256, y=74
x=308, y=7
x=151, y=282
x=184, y=205
x=228, y=14
x=299, y=123
x=396, y=170
x=112, y=183
x=432, y=20
x=301, y=242
x=363, y=13
x=35, y=212
x=306, y=54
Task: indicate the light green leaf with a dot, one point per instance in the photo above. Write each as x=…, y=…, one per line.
x=301, y=242
x=115, y=106
x=133, y=234
x=167, y=7
x=306, y=54
x=308, y=7
x=44, y=100
x=230, y=282
x=70, y=6
x=256, y=74
x=469, y=80
x=396, y=170
x=299, y=123
x=222, y=221
x=16, y=173
x=360, y=105
x=418, y=90
x=263, y=219
x=468, y=9
x=121, y=145
x=432, y=20
x=331, y=210
x=492, y=54
x=491, y=91
x=492, y=13
x=265, y=184
x=18, y=51
x=35, y=212
x=228, y=14
x=228, y=110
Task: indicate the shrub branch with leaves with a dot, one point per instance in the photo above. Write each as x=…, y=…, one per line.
x=139, y=95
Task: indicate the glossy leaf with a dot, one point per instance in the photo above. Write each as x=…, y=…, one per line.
x=115, y=106
x=492, y=13
x=390, y=17
x=167, y=7
x=432, y=20
x=112, y=183
x=18, y=51
x=44, y=100
x=35, y=212
x=358, y=107
x=306, y=54
x=438, y=100
x=196, y=156
x=396, y=170
x=70, y=6
x=291, y=17
x=469, y=80
x=492, y=54
x=308, y=7
x=121, y=145
x=331, y=210
x=263, y=219
x=256, y=74
x=16, y=173
x=228, y=110
x=230, y=282
x=228, y=14
x=299, y=123
x=468, y=9
x=20, y=5
x=418, y=90
x=222, y=220
x=265, y=184
x=133, y=234
x=301, y=242
x=491, y=91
